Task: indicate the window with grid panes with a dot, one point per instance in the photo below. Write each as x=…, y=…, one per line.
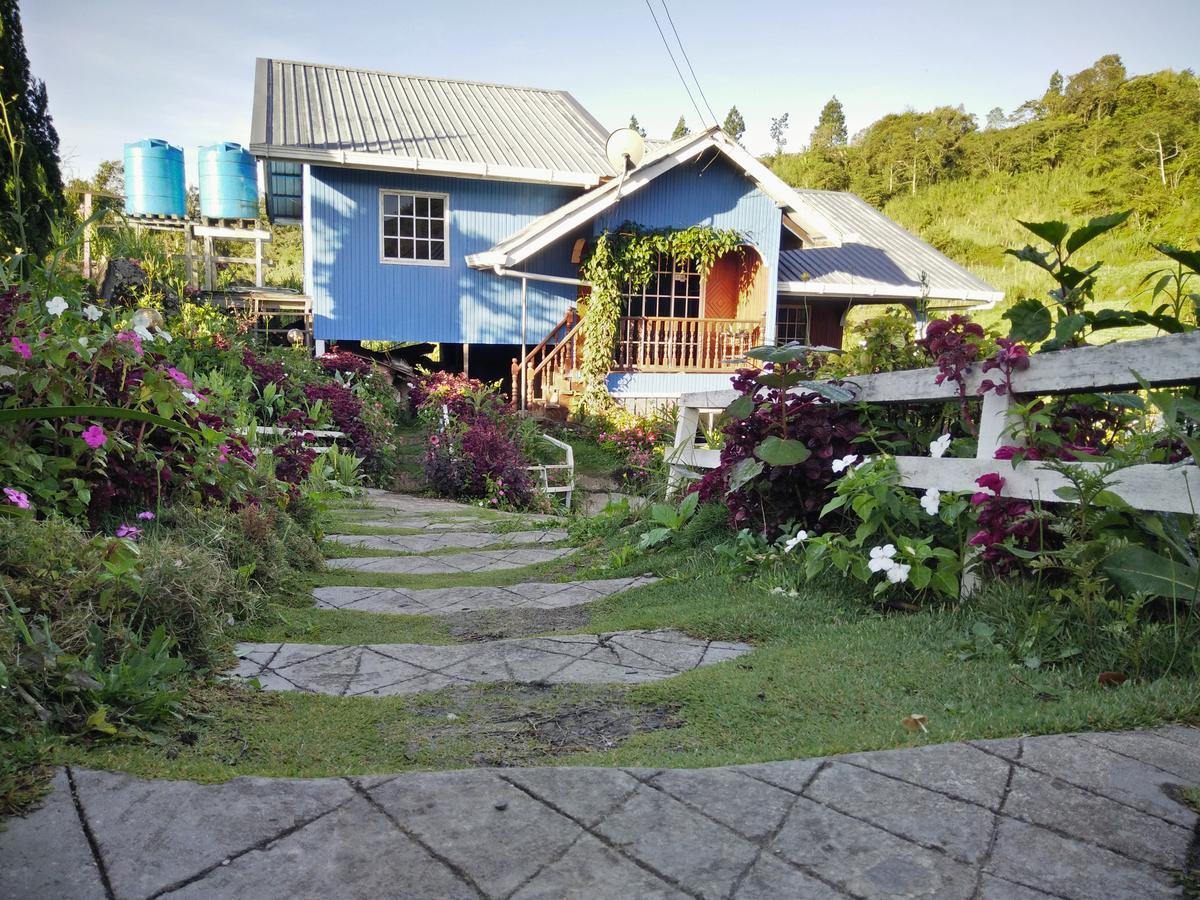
x=673, y=291
x=791, y=324
x=413, y=228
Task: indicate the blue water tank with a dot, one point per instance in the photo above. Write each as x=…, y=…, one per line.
x=154, y=184
x=285, y=191
x=228, y=182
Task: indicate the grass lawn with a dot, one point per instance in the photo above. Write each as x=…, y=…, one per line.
x=829, y=675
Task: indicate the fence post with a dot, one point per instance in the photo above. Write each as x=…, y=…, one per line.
x=993, y=425
x=685, y=436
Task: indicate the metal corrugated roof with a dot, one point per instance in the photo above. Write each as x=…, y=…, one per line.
x=877, y=258
x=348, y=116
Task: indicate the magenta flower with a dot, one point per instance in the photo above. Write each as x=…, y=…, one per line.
x=129, y=531
x=223, y=452
x=17, y=498
x=95, y=437
x=180, y=379
x=22, y=348
x=146, y=516
x=131, y=338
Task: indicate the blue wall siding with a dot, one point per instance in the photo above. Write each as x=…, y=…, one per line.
x=357, y=297
x=717, y=194
x=667, y=384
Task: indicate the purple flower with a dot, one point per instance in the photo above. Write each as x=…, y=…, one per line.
x=146, y=516
x=129, y=531
x=180, y=379
x=22, y=348
x=17, y=498
x=132, y=338
x=95, y=437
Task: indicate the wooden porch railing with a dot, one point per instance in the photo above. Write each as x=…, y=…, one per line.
x=559, y=353
x=651, y=344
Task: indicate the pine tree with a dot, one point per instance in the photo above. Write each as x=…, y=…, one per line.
x=831, y=126
x=681, y=130
x=735, y=125
x=636, y=126
x=37, y=173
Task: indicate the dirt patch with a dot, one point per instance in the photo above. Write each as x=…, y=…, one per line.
x=527, y=724
x=494, y=624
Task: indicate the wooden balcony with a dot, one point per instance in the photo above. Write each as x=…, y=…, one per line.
x=646, y=344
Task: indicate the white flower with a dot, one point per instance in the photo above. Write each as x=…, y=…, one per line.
x=144, y=333
x=866, y=460
x=56, y=306
x=92, y=312
x=898, y=573
x=840, y=465
x=799, y=538
x=83, y=343
x=931, y=501
x=939, y=447
x=191, y=397
x=164, y=335
x=784, y=592
x=881, y=558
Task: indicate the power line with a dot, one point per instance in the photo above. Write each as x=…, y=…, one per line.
x=689, y=65
x=675, y=64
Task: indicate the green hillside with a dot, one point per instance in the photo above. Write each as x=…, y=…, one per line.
x=1089, y=146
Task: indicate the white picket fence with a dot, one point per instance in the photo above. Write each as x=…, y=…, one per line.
x=1167, y=361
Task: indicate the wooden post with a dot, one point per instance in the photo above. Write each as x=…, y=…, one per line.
x=87, y=234
x=189, y=256
x=685, y=436
x=210, y=265
x=466, y=360
x=514, y=373
x=993, y=424
x=258, y=262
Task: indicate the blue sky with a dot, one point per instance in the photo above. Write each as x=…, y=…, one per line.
x=121, y=70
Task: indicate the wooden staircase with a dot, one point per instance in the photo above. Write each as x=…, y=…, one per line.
x=551, y=369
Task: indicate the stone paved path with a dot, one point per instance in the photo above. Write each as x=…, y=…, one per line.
x=443, y=601
x=451, y=563
x=1085, y=816
x=450, y=540
x=621, y=657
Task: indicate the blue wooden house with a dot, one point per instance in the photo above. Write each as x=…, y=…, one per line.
x=457, y=213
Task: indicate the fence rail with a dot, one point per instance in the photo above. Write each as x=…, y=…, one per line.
x=1170, y=361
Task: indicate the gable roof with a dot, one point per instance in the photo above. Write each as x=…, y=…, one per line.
x=816, y=226
x=335, y=115
x=880, y=260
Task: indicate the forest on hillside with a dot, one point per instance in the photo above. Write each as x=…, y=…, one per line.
x=1096, y=142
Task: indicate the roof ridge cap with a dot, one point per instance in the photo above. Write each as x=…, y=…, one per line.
x=369, y=71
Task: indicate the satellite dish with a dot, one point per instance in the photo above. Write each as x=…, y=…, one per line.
x=624, y=149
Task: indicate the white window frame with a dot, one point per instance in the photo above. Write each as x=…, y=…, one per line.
x=659, y=270
x=430, y=195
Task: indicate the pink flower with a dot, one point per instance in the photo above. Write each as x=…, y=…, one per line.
x=22, y=348
x=95, y=437
x=129, y=531
x=17, y=498
x=991, y=481
x=146, y=516
x=131, y=338
x=223, y=453
x=180, y=379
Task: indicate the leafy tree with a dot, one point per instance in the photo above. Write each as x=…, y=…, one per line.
x=29, y=166
x=636, y=126
x=1092, y=93
x=108, y=184
x=779, y=128
x=735, y=125
x=681, y=129
x=996, y=118
x=831, y=126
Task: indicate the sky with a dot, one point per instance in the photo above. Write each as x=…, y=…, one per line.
x=123, y=70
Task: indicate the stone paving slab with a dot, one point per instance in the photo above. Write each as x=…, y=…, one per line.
x=449, y=540
x=445, y=601
x=868, y=825
x=621, y=657
x=451, y=563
